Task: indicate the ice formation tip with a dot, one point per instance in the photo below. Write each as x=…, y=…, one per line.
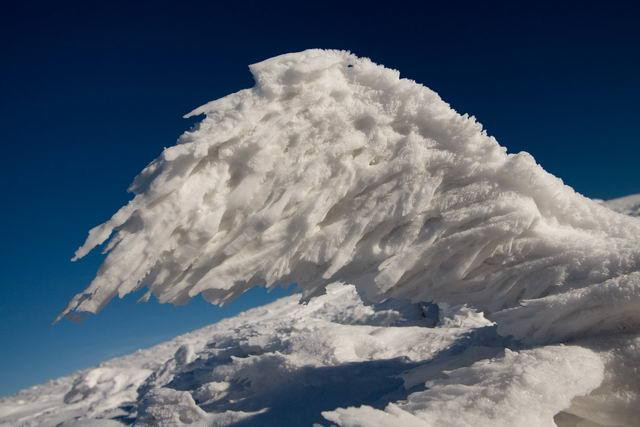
x=332, y=168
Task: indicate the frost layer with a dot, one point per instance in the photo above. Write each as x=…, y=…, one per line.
x=333, y=168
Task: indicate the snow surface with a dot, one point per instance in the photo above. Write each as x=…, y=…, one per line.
x=629, y=205
x=334, y=170
x=290, y=364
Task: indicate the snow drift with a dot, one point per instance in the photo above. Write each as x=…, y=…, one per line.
x=334, y=169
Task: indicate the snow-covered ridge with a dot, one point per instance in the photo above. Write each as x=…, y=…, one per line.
x=332, y=168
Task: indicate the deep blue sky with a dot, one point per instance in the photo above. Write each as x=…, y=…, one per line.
x=90, y=93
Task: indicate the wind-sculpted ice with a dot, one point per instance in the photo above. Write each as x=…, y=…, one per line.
x=334, y=168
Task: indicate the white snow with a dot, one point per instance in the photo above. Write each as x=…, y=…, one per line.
x=334, y=169
x=629, y=205
x=290, y=364
x=517, y=389
x=283, y=361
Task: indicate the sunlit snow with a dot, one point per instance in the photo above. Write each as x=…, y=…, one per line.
x=448, y=282
x=629, y=205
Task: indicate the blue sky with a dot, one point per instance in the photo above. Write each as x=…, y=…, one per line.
x=90, y=93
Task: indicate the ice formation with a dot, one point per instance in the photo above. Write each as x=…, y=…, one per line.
x=334, y=169
x=629, y=205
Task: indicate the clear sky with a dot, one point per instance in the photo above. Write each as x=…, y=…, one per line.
x=91, y=92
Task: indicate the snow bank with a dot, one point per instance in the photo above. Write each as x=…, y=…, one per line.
x=333, y=168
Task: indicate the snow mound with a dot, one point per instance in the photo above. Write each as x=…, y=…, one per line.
x=334, y=360
x=333, y=168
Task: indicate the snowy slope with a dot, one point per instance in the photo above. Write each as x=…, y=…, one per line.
x=292, y=364
x=333, y=169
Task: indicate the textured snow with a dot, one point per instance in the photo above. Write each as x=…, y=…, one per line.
x=517, y=389
x=333, y=168
x=479, y=289
x=290, y=364
x=629, y=205
x=281, y=364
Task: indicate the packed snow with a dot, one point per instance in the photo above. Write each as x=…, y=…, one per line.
x=333, y=168
x=444, y=281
